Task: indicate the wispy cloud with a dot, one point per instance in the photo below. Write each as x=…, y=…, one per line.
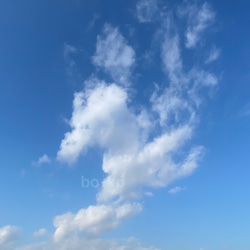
x=114, y=55
x=176, y=189
x=146, y=10
x=199, y=19
x=68, y=51
x=134, y=159
x=213, y=55
x=42, y=160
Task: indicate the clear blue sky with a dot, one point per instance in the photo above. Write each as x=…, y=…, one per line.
x=148, y=101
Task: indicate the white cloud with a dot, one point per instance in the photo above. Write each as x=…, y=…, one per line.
x=101, y=117
x=93, y=220
x=199, y=19
x=41, y=232
x=146, y=10
x=176, y=189
x=68, y=51
x=8, y=235
x=42, y=160
x=114, y=55
x=135, y=158
x=79, y=243
x=213, y=55
x=171, y=57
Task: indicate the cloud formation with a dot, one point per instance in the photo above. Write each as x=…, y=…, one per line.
x=136, y=159
x=199, y=19
x=114, y=55
x=8, y=235
x=176, y=189
x=213, y=55
x=146, y=10
x=42, y=160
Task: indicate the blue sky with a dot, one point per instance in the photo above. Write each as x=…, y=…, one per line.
x=124, y=125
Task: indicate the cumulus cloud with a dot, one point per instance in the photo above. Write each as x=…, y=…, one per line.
x=8, y=235
x=114, y=55
x=199, y=19
x=146, y=10
x=93, y=220
x=101, y=117
x=176, y=189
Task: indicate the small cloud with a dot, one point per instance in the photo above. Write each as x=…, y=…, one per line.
x=149, y=194
x=114, y=55
x=42, y=160
x=213, y=55
x=93, y=21
x=68, y=51
x=146, y=10
x=176, y=190
x=8, y=235
x=41, y=232
x=198, y=20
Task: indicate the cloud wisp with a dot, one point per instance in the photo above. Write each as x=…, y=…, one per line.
x=114, y=55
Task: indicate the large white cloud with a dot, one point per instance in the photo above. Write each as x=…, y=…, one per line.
x=140, y=148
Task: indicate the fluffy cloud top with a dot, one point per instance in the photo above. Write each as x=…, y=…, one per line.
x=8, y=235
x=93, y=220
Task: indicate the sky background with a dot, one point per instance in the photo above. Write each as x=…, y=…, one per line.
x=161, y=105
